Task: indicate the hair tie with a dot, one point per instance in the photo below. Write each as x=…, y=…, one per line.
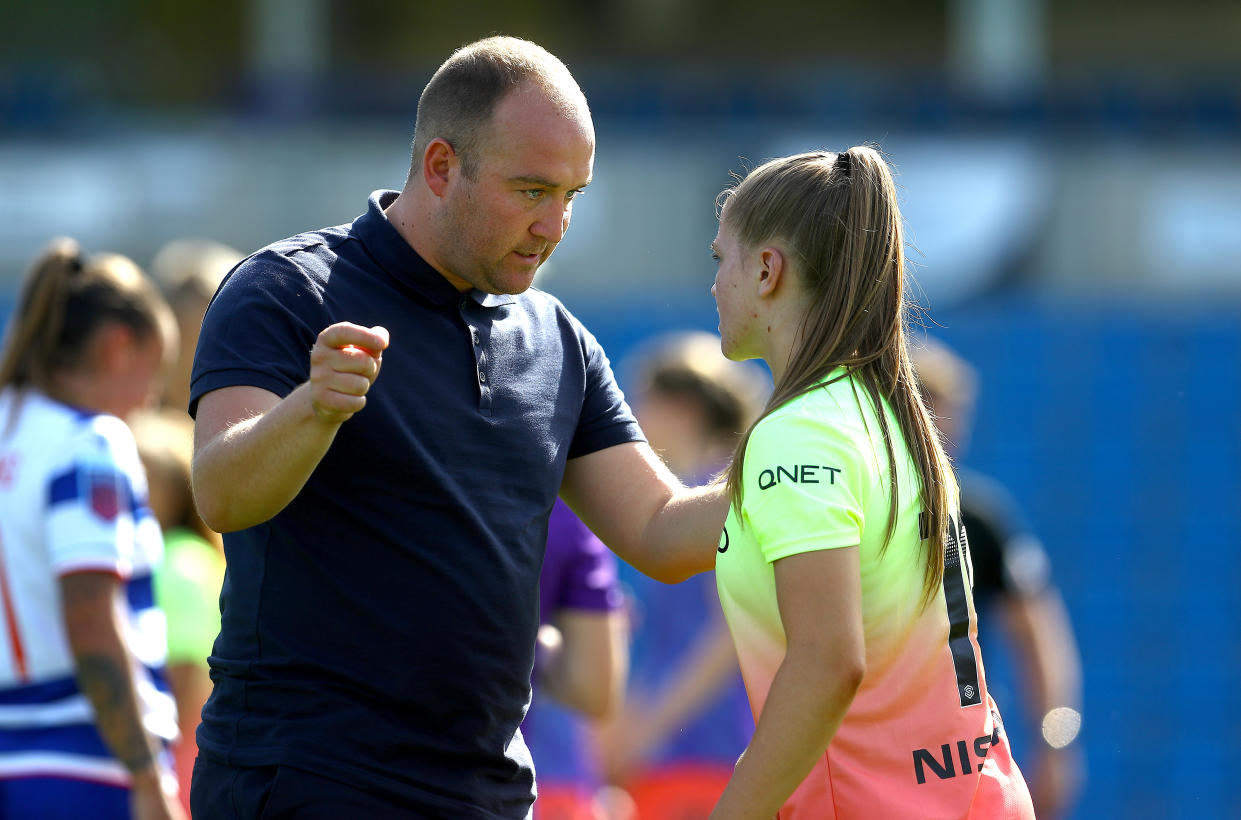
x=843, y=163
x=66, y=254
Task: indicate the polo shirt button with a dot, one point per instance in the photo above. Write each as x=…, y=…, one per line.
x=474, y=335
x=482, y=376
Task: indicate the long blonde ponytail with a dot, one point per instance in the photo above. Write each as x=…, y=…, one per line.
x=838, y=215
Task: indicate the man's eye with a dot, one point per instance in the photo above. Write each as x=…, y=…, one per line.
x=533, y=194
x=574, y=194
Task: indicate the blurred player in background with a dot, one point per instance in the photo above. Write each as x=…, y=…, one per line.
x=579, y=667
x=187, y=583
x=1013, y=588
x=380, y=601
x=686, y=718
x=189, y=271
x=842, y=568
x=84, y=713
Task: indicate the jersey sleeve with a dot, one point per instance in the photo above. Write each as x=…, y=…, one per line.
x=606, y=419
x=91, y=502
x=589, y=581
x=805, y=482
x=259, y=328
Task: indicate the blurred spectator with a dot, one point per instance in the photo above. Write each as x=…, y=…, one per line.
x=189, y=271
x=85, y=716
x=1013, y=586
x=687, y=718
x=580, y=667
x=187, y=584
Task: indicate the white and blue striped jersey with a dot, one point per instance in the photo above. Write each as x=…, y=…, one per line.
x=73, y=498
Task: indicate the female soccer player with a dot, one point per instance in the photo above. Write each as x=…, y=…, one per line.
x=82, y=713
x=843, y=571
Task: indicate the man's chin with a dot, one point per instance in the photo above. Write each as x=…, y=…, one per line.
x=510, y=277
x=513, y=283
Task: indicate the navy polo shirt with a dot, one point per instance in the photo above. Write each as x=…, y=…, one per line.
x=380, y=629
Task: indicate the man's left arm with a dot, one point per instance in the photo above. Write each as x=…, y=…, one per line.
x=636, y=506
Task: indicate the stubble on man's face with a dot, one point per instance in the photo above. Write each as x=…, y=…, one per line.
x=483, y=241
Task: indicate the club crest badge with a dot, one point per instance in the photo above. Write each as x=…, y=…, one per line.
x=103, y=493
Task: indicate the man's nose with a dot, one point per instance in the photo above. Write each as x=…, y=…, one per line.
x=553, y=221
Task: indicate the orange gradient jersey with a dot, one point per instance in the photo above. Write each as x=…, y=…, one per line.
x=922, y=739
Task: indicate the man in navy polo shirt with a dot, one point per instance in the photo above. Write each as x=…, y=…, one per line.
x=380, y=606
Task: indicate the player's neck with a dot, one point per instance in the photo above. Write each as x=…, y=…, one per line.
x=76, y=388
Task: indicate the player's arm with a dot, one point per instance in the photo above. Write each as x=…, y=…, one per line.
x=820, y=600
x=1039, y=624
x=647, y=723
x=1047, y=652
x=586, y=660
x=639, y=509
x=709, y=665
x=105, y=674
x=254, y=451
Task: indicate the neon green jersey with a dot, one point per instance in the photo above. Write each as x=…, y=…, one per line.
x=921, y=737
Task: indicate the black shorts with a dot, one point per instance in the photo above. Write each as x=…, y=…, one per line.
x=220, y=792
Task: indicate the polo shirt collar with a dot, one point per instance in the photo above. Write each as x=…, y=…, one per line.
x=404, y=264
x=491, y=299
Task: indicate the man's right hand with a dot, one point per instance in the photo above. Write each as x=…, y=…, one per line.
x=344, y=363
x=254, y=451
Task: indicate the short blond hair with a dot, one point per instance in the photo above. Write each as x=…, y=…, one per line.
x=192, y=268
x=458, y=102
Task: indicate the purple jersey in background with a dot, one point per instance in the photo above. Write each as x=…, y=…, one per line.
x=579, y=573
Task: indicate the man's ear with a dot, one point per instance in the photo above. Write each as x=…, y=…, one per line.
x=439, y=164
x=771, y=270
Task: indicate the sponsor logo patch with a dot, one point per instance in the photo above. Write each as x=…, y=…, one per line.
x=797, y=474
